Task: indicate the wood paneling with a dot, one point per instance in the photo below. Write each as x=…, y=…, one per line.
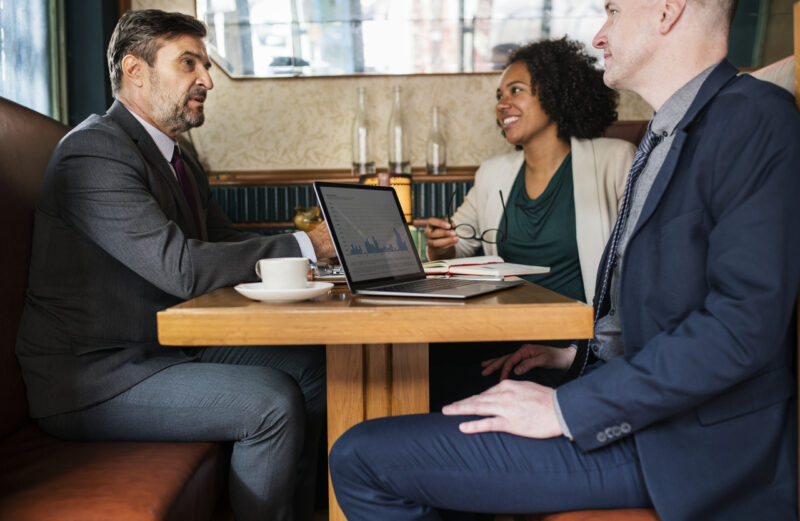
x=345, y=398
x=410, y=394
x=378, y=384
x=123, y=6
x=297, y=177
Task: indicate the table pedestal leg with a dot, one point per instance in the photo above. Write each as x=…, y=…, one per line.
x=372, y=381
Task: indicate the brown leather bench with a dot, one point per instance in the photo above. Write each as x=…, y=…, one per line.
x=42, y=477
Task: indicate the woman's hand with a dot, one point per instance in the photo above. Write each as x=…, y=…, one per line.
x=529, y=356
x=440, y=239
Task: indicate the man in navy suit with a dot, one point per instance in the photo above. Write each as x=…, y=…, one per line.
x=684, y=399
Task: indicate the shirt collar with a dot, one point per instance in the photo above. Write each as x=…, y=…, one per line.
x=166, y=145
x=666, y=120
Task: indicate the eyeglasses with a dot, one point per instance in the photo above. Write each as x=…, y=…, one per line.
x=468, y=232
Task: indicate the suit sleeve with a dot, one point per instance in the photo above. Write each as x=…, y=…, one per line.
x=749, y=262
x=106, y=191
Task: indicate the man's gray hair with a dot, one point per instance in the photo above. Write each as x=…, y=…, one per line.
x=142, y=33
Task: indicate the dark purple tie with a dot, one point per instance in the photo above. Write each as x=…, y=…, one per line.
x=186, y=184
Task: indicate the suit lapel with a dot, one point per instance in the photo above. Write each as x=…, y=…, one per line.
x=718, y=78
x=156, y=160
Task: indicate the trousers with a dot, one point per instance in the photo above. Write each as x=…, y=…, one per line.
x=410, y=467
x=269, y=401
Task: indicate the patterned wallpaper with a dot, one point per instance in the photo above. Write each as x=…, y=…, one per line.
x=304, y=123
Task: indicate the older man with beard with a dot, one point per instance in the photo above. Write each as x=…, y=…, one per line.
x=126, y=226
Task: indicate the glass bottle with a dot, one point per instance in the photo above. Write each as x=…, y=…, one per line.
x=363, y=163
x=399, y=153
x=398, y=175
x=436, y=158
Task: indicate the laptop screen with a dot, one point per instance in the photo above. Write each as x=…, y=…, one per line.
x=369, y=230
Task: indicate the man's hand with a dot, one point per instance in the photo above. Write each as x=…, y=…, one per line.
x=322, y=242
x=521, y=408
x=527, y=357
x=440, y=239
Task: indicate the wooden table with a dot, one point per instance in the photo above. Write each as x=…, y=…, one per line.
x=377, y=348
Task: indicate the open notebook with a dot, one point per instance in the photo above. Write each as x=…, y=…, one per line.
x=375, y=248
x=489, y=265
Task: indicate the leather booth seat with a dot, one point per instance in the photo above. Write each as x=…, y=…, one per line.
x=47, y=478
x=42, y=477
x=623, y=514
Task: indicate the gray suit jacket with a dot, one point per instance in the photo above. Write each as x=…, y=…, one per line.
x=114, y=242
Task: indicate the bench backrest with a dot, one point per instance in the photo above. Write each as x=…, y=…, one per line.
x=27, y=140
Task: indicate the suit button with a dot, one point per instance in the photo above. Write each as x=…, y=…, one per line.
x=625, y=427
x=609, y=432
x=616, y=430
x=601, y=437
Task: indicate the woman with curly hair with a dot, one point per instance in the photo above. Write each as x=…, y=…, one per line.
x=559, y=196
x=562, y=188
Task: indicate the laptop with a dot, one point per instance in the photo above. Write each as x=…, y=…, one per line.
x=376, y=250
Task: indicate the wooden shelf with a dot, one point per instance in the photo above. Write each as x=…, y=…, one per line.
x=303, y=177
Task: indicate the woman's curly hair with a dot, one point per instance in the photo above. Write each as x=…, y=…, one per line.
x=569, y=86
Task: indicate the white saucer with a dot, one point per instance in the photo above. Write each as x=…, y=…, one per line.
x=256, y=291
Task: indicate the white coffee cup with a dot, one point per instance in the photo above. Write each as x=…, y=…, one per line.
x=283, y=272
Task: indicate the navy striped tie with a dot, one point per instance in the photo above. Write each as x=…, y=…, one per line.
x=649, y=141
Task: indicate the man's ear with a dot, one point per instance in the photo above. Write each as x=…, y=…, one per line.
x=133, y=69
x=670, y=13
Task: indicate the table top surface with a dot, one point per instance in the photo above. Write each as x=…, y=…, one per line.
x=224, y=317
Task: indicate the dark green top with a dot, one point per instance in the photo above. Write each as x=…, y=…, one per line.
x=541, y=231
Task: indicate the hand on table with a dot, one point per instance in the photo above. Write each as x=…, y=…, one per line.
x=527, y=357
x=521, y=408
x=440, y=238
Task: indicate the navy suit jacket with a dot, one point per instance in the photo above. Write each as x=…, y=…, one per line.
x=706, y=384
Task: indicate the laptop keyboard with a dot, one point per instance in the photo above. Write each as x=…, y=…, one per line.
x=428, y=285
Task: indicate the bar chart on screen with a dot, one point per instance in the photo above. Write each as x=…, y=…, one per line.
x=371, y=233
x=371, y=245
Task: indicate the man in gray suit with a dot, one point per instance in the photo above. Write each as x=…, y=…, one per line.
x=125, y=227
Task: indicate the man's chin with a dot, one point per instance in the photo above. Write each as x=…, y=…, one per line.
x=192, y=119
x=609, y=79
x=197, y=120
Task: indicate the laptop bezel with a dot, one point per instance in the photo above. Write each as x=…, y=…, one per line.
x=356, y=286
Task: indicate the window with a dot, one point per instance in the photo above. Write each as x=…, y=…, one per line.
x=328, y=37
x=266, y=38
x=28, y=56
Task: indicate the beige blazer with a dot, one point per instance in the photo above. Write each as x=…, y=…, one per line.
x=599, y=168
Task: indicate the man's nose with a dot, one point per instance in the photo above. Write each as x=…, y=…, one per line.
x=600, y=40
x=205, y=80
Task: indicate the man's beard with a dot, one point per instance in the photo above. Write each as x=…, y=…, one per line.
x=176, y=116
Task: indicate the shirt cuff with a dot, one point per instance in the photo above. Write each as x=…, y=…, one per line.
x=560, y=416
x=306, y=248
